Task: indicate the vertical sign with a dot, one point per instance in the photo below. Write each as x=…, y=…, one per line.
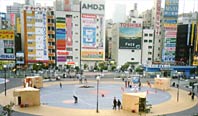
x=170, y=28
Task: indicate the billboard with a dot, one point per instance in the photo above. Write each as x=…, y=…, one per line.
x=12, y=19
x=89, y=37
x=130, y=36
x=157, y=20
x=20, y=58
x=92, y=55
x=93, y=6
x=69, y=30
x=7, y=45
x=170, y=27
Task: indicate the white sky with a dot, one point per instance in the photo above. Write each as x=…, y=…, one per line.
x=184, y=5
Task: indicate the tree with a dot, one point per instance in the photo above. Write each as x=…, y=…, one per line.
x=7, y=109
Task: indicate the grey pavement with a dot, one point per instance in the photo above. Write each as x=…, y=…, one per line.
x=14, y=82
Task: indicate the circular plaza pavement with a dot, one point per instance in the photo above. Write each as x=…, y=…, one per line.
x=87, y=94
x=59, y=101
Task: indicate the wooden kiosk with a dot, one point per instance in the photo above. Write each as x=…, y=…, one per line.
x=33, y=81
x=27, y=96
x=162, y=83
x=134, y=102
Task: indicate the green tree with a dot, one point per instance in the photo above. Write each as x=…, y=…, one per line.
x=7, y=109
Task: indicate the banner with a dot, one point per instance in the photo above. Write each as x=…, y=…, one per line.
x=69, y=29
x=130, y=36
x=92, y=55
x=12, y=19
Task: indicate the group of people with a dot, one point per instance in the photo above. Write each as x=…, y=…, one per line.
x=192, y=94
x=117, y=103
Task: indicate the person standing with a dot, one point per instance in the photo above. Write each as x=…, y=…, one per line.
x=114, y=103
x=119, y=104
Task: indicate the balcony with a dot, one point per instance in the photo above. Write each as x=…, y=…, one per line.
x=51, y=24
x=50, y=17
x=51, y=54
x=51, y=47
x=51, y=32
x=51, y=40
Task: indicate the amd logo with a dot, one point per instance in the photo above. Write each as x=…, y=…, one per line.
x=93, y=6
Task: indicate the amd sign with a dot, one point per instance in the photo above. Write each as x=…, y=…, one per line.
x=93, y=7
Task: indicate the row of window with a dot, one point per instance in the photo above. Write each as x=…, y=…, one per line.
x=148, y=34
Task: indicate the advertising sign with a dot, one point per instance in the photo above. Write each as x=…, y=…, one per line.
x=157, y=20
x=12, y=19
x=69, y=30
x=61, y=58
x=93, y=6
x=92, y=55
x=45, y=42
x=130, y=36
x=170, y=27
x=19, y=58
x=89, y=37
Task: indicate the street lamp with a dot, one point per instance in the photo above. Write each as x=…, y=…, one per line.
x=98, y=79
x=5, y=66
x=178, y=76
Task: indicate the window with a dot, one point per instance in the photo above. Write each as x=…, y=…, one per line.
x=76, y=41
x=132, y=58
x=150, y=41
x=76, y=57
x=158, y=48
x=150, y=47
x=158, y=55
x=69, y=49
x=134, y=21
x=146, y=34
x=132, y=50
x=149, y=58
x=145, y=40
x=150, y=35
x=149, y=53
x=76, y=49
x=76, y=25
x=70, y=57
x=159, y=41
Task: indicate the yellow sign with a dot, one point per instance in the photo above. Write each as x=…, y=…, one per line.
x=170, y=25
x=60, y=25
x=7, y=34
x=92, y=55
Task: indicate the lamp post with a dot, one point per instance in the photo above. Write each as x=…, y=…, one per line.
x=98, y=79
x=5, y=66
x=178, y=76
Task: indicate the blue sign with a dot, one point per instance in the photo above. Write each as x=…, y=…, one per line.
x=89, y=35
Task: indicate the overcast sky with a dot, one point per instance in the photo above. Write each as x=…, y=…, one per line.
x=184, y=5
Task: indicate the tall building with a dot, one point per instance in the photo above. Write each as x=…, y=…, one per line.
x=119, y=14
x=187, y=40
x=157, y=24
x=147, y=17
x=147, y=46
x=36, y=34
x=14, y=9
x=67, y=5
x=187, y=18
x=30, y=2
x=67, y=38
x=92, y=31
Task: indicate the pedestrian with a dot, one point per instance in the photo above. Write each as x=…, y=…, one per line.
x=114, y=103
x=60, y=85
x=75, y=99
x=193, y=95
x=149, y=84
x=119, y=105
x=139, y=85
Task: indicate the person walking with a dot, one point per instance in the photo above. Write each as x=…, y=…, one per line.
x=61, y=85
x=114, y=103
x=75, y=99
x=193, y=95
x=119, y=104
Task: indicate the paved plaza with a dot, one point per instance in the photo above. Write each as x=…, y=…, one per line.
x=59, y=101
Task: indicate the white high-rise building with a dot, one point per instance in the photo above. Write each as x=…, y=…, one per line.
x=147, y=46
x=119, y=14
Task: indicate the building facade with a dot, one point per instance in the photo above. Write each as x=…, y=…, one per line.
x=67, y=38
x=92, y=32
x=34, y=29
x=147, y=46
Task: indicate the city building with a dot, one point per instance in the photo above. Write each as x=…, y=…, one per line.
x=147, y=46
x=34, y=30
x=157, y=24
x=92, y=32
x=67, y=5
x=67, y=38
x=187, y=18
x=147, y=17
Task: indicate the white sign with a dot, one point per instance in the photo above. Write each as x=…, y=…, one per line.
x=93, y=6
